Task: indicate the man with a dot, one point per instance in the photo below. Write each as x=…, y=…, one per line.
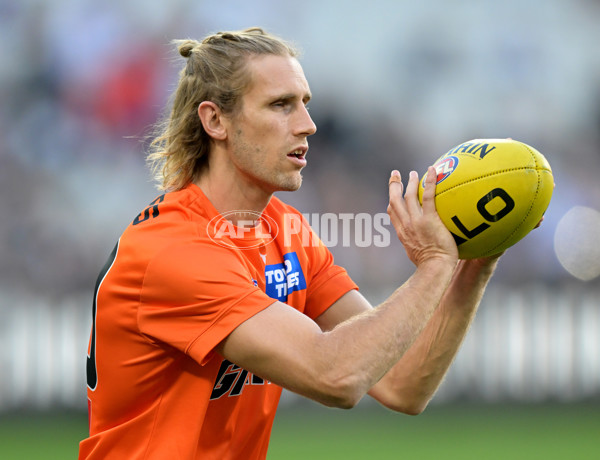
x=192, y=340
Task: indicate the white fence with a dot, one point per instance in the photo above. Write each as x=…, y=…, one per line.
x=43, y=346
x=532, y=344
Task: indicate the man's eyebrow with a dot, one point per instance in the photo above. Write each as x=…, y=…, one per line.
x=290, y=96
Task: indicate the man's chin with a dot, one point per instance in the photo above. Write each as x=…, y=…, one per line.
x=290, y=184
x=292, y=187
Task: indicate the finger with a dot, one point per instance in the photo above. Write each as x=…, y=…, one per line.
x=395, y=221
x=429, y=190
x=411, y=196
x=397, y=208
x=395, y=177
x=396, y=189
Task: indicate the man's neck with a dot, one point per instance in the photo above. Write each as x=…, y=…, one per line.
x=228, y=195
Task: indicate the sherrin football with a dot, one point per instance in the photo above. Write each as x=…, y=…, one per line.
x=490, y=193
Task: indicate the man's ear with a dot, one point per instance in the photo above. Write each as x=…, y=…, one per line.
x=211, y=118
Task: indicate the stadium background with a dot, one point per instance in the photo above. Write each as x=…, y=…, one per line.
x=395, y=84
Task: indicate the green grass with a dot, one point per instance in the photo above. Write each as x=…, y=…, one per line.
x=312, y=432
x=560, y=432
x=47, y=436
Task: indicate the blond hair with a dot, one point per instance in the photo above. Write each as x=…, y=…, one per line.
x=216, y=70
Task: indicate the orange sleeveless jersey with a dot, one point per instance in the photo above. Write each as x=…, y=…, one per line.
x=178, y=282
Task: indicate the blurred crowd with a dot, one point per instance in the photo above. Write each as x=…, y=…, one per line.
x=82, y=82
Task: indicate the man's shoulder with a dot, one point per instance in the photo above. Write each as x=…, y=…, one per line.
x=185, y=205
x=171, y=219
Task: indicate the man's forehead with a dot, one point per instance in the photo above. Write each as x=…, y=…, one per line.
x=278, y=76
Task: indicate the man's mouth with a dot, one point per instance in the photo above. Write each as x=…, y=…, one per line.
x=300, y=154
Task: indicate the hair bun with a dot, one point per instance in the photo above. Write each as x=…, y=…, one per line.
x=185, y=47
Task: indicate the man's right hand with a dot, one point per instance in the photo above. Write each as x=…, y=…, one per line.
x=419, y=228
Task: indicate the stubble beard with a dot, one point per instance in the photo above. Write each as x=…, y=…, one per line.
x=251, y=160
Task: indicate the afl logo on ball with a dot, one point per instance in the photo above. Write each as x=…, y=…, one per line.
x=445, y=167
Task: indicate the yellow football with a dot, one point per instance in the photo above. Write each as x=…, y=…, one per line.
x=490, y=193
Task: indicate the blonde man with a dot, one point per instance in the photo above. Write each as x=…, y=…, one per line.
x=195, y=333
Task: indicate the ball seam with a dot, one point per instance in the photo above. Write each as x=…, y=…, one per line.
x=495, y=173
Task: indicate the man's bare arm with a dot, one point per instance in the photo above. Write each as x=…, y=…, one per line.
x=338, y=366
